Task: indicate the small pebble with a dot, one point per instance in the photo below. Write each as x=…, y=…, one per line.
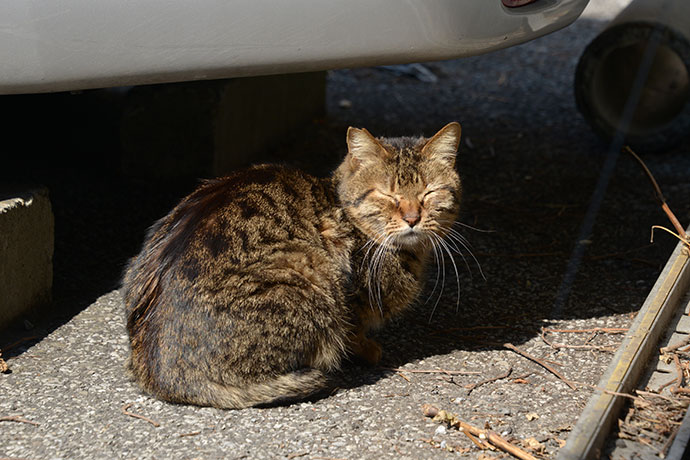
x=543, y=437
x=440, y=430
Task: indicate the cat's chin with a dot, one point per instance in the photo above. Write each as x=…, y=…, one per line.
x=409, y=239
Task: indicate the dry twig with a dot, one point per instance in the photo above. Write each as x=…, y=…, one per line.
x=679, y=370
x=141, y=417
x=18, y=419
x=433, y=371
x=681, y=235
x=638, y=399
x=483, y=435
x=541, y=362
x=656, y=395
x=680, y=391
x=403, y=376
x=470, y=387
x=483, y=445
x=558, y=346
x=18, y=342
x=682, y=343
x=470, y=328
x=606, y=330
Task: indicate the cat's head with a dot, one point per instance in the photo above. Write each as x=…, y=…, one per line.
x=402, y=191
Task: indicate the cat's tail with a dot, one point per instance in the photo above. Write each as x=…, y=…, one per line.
x=282, y=389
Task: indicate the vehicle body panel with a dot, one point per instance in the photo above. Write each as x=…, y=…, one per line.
x=48, y=45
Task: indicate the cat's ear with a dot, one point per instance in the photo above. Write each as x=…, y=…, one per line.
x=362, y=147
x=444, y=145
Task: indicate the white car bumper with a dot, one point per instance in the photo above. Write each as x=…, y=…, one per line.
x=49, y=45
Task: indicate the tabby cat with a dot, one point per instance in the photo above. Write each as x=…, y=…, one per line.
x=257, y=285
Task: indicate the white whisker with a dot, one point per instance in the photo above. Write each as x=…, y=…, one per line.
x=459, y=239
x=444, y=245
x=457, y=222
x=443, y=283
x=438, y=270
x=453, y=245
x=375, y=264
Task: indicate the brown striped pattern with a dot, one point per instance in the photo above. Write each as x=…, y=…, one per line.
x=254, y=287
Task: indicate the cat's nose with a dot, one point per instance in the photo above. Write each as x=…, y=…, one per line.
x=410, y=212
x=412, y=218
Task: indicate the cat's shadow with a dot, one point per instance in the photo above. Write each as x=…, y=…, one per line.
x=419, y=335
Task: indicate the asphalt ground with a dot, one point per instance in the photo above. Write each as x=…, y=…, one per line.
x=529, y=164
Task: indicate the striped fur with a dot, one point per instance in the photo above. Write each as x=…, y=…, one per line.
x=255, y=287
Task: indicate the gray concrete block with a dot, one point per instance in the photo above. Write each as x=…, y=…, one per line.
x=683, y=324
x=26, y=251
x=208, y=128
x=659, y=381
x=676, y=338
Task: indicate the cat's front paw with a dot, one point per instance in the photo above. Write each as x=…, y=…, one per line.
x=368, y=350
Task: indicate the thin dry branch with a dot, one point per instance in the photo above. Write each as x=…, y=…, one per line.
x=638, y=399
x=615, y=255
x=403, y=376
x=470, y=328
x=483, y=435
x=667, y=445
x=656, y=395
x=661, y=199
x=680, y=390
x=606, y=330
x=483, y=445
x=432, y=371
x=18, y=419
x=683, y=239
x=473, y=386
x=541, y=362
x=679, y=370
x=140, y=417
x=682, y=343
x=12, y=345
x=558, y=346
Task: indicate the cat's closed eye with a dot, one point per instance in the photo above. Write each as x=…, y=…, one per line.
x=389, y=195
x=426, y=195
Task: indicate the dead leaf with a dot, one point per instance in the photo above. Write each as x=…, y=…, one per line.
x=533, y=445
x=560, y=428
x=532, y=416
